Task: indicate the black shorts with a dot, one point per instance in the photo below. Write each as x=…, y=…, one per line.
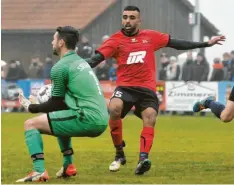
x=231, y=97
x=139, y=97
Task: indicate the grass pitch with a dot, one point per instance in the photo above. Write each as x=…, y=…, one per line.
x=186, y=150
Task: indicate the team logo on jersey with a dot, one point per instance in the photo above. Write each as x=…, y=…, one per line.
x=134, y=40
x=136, y=57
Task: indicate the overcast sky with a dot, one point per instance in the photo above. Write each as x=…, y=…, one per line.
x=221, y=14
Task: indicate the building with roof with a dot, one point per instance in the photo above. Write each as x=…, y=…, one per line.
x=28, y=25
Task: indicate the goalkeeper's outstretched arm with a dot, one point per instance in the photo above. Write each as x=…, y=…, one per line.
x=53, y=104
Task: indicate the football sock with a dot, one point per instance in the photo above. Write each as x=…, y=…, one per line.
x=146, y=141
x=116, y=134
x=66, y=149
x=215, y=107
x=35, y=146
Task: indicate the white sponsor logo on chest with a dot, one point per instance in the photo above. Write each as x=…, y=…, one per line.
x=136, y=57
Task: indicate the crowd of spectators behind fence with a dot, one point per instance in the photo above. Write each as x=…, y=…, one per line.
x=170, y=69
x=14, y=70
x=38, y=69
x=192, y=69
x=197, y=69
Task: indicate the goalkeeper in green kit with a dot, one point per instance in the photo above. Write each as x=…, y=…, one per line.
x=77, y=107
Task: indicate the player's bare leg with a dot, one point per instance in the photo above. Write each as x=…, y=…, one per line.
x=227, y=114
x=33, y=128
x=38, y=125
x=115, y=123
x=147, y=136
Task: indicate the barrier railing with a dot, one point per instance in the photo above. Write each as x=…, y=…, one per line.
x=172, y=95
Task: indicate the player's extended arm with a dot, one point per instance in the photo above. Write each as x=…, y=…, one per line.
x=95, y=60
x=53, y=104
x=186, y=45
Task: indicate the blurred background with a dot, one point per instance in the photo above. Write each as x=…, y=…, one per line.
x=28, y=27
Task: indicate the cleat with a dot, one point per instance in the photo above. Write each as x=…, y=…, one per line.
x=68, y=172
x=200, y=105
x=119, y=160
x=115, y=165
x=35, y=177
x=143, y=166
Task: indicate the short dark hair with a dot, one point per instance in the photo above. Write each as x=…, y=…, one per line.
x=132, y=8
x=12, y=62
x=70, y=36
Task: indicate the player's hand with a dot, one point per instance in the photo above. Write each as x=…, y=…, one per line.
x=217, y=40
x=33, y=99
x=24, y=101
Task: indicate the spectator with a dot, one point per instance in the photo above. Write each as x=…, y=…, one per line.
x=227, y=66
x=3, y=72
x=173, y=72
x=164, y=60
x=173, y=69
x=217, y=73
x=232, y=65
x=85, y=49
x=109, y=61
x=105, y=37
x=15, y=71
x=187, y=67
x=35, y=68
x=200, y=69
x=102, y=71
x=47, y=67
x=112, y=72
x=22, y=72
x=3, y=69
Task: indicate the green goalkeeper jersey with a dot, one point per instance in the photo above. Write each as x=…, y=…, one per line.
x=74, y=79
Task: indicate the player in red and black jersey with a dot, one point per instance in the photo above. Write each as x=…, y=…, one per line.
x=134, y=50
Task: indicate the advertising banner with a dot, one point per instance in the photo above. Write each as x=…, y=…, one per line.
x=173, y=96
x=180, y=96
x=9, y=94
x=24, y=85
x=35, y=86
x=225, y=89
x=160, y=91
x=108, y=88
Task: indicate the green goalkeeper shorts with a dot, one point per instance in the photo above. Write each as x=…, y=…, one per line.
x=71, y=123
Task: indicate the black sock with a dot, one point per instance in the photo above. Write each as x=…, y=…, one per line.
x=143, y=156
x=216, y=108
x=207, y=103
x=120, y=153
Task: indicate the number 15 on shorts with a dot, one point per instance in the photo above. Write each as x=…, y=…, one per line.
x=117, y=94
